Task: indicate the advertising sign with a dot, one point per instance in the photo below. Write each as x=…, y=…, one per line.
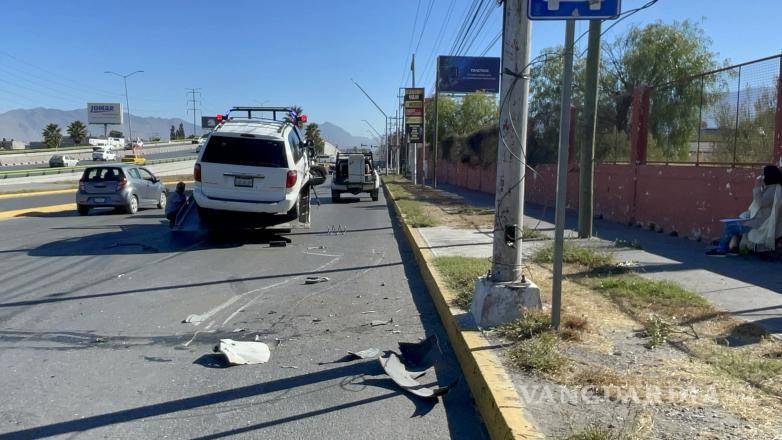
x=414, y=114
x=469, y=74
x=574, y=9
x=104, y=113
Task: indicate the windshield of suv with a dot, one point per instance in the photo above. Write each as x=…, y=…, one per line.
x=244, y=151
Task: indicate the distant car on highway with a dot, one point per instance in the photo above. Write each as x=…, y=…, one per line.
x=125, y=186
x=59, y=160
x=104, y=153
x=201, y=142
x=254, y=172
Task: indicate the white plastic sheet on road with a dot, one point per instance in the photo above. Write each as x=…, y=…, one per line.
x=244, y=352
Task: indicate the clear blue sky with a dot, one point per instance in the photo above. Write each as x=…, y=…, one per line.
x=54, y=52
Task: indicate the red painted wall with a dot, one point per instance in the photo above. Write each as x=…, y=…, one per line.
x=688, y=199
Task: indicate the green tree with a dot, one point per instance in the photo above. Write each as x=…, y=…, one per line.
x=448, y=118
x=78, y=132
x=180, y=132
x=659, y=54
x=172, y=134
x=312, y=134
x=52, y=136
x=478, y=110
x=116, y=134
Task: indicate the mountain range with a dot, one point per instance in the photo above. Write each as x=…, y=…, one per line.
x=27, y=124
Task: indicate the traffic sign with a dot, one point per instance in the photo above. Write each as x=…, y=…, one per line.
x=574, y=9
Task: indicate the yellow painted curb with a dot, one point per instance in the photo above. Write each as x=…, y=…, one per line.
x=495, y=395
x=36, y=193
x=40, y=209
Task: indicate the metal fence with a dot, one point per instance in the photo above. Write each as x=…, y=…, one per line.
x=722, y=117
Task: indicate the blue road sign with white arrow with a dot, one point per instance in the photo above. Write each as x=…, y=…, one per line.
x=574, y=9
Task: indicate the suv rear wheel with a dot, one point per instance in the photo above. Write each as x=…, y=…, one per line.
x=335, y=196
x=83, y=209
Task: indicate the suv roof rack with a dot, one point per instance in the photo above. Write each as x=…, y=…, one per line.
x=273, y=110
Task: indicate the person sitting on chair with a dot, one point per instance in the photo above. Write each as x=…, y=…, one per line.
x=175, y=203
x=760, y=224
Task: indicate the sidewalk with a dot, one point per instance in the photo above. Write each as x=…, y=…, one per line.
x=746, y=287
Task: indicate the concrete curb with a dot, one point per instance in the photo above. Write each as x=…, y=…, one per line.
x=495, y=395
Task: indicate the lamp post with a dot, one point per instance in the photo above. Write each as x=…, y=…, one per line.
x=381, y=111
x=127, y=100
x=379, y=136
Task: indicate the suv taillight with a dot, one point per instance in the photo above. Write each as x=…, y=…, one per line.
x=197, y=172
x=291, y=179
x=82, y=185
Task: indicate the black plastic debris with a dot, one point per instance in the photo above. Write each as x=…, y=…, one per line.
x=419, y=353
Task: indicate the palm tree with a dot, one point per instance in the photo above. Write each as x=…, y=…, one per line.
x=78, y=132
x=52, y=136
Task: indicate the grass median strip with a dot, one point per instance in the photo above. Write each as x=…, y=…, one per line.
x=460, y=274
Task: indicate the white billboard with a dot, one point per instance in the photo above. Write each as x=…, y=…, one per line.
x=104, y=113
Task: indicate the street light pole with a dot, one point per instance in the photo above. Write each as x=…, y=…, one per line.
x=127, y=100
x=381, y=111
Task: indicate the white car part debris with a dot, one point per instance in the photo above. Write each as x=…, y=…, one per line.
x=193, y=319
x=243, y=352
x=406, y=379
x=315, y=280
x=369, y=353
x=378, y=322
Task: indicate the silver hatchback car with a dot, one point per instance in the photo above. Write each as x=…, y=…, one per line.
x=126, y=186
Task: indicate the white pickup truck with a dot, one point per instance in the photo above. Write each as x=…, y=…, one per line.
x=355, y=173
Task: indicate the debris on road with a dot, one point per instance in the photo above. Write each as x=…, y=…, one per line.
x=290, y=366
x=315, y=280
x=396, y=370
x=379, y=322
x=193, y=319
x=312, y=248
x=100, y=340
x=368, y=311
x=277, y=243
x=143, y=247
x=369, y=353
x=237, y=330
x=316, y=320
x=243, y=352
x=416, y=353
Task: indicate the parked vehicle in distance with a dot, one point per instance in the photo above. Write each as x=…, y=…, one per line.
x=59, y=160
x=103, y=152
x=355, y=173
x=201, y=142
x=125, y=186
x=254, y=172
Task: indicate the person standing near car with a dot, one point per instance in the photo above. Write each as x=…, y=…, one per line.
x=175, y=203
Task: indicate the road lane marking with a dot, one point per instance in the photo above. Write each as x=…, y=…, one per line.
x=36, y=193
x=39, y=209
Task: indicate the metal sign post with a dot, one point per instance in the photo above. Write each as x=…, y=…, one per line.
x=569, y=10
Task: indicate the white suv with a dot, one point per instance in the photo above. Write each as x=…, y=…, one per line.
x=253, y=172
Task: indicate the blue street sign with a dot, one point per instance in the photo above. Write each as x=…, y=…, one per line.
x=574, y=9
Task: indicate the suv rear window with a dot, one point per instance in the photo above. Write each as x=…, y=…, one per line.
x=103, y=174
x=245, y=151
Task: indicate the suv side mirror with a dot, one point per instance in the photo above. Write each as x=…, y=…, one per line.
x=318, y=175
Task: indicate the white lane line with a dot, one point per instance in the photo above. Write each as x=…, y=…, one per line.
x=239, y=310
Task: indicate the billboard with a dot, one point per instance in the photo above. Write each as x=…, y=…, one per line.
x=104, y=113
x=469, y=74
x=414, y=114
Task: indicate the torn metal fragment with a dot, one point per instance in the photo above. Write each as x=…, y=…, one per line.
x=244, y=352
x=399, y=374
x=378, y=322
x=315, y=280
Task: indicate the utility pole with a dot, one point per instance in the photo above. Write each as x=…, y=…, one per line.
x=435, y=147
x=127, y=100
x=505, y=292
x=192, y=92
x=509, y=191
x=562, y=161
x=587, y=162
x=414, y=159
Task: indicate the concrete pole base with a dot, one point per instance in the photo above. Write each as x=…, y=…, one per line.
x=498, y=303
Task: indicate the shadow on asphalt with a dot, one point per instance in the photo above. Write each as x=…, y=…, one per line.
x=349, y=374
x=73, y=213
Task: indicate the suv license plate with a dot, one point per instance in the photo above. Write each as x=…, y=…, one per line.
x=246, y=182
x=100, y=200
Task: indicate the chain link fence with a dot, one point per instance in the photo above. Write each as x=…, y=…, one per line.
x=723, y=117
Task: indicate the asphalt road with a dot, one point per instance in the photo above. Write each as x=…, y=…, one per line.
x=149, y=154
x=93, y=344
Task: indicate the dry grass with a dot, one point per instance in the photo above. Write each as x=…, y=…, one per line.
x=572, y=254
x=573, y=327
x=460, y=274
x=539, y=353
